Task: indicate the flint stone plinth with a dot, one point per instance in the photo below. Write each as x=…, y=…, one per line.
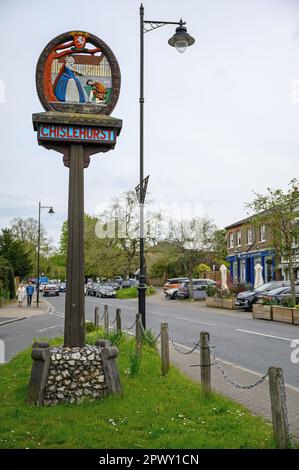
x=63, y=374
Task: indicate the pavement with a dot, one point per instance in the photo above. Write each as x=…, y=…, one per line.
x=10, y=312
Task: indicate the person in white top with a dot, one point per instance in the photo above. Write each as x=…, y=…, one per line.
x=21, y=294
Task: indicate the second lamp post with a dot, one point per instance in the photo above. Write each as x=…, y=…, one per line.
x=180, y=40
x=51, y=211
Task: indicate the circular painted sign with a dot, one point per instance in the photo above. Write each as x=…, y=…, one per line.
x=78, y=73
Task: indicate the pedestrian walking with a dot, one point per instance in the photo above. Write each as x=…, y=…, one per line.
x=21, y=293
x=29, y=292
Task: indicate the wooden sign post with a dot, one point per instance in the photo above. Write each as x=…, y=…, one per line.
x=78, y=83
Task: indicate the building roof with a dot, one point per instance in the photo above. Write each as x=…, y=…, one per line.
x=240, y=222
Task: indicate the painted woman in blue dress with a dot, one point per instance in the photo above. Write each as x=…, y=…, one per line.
x=67, y=86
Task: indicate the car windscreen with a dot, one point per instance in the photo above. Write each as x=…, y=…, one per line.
x=266, y=286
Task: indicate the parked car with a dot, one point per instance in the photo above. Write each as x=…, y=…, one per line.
x=247, y=298
x=113, y=284
x=105, y=291
x=279, y=295
x=91, y=289
x=174, y=283
x=42, y=286
x=183, y=291
x=126, y=284
x=171, y=293
x=51, y=289
x=62, y=287
x=119, y=279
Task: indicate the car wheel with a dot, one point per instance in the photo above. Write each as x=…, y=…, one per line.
x=174, y=296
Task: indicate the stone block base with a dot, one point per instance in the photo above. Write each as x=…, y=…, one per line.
x=63, y=374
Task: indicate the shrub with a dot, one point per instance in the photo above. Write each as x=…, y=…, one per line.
x=89, y=327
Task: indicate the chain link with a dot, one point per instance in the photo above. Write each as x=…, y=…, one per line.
x=285, y=410
x=182, y=352
x=112, y=323
x=131, y=326
x=229, y=380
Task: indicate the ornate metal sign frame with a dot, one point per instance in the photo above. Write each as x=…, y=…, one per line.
x=84, y=108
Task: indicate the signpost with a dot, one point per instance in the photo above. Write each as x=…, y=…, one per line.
x=78, y=84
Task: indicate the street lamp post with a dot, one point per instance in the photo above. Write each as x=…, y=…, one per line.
x=180, y=40
x=51, y=211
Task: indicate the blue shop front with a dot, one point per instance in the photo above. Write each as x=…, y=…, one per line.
x=242, y=266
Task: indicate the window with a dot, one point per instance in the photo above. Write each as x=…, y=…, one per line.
x=249, y=236
x=231, y=240
x=262, y=233
x=239, y=238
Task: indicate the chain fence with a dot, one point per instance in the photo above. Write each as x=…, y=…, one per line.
x=219, y=365
x=175, y=346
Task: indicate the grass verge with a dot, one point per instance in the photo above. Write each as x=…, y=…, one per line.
x=154, y=412
x=132, y=292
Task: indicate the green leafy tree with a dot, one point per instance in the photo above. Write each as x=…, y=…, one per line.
x=192, y=239
x=279, y=211
x=219, y=246
x=16, y=252
x=7, y=281
x=102, y=258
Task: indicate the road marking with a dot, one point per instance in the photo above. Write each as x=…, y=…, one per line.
x=49, y=328
x=269, y=336
x=57, y=314
x=196, y=321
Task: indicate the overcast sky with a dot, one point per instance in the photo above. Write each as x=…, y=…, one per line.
x=221, y=120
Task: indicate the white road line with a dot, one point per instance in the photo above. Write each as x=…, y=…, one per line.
x=57, y=314
x=49, y=328
x=269, y=336
x=196, y=321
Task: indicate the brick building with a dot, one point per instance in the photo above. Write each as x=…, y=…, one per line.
x=247, y=245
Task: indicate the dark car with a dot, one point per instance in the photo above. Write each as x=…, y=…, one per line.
x=113, y=284
x=183, y=291
x=279, y=295
x=126, y=284
x=247, y=298
x=62, y=287
x=105, y=291
x=51, y=289
x=92, y=288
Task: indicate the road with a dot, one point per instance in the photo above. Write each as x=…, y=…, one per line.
x=238, y=339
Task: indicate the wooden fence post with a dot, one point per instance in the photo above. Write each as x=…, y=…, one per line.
x=138, y=333
x=164, y=349
x=118, y=321
x=280, y=430
x=205, y=362
x=96, y=316
x=106, y=319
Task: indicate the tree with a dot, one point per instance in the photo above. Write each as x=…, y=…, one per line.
x=16, y=253
x=193, y=239
x=7, y=281
x=121, y=223
x=219, y=246
x=101, y=257
x=278, y=210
